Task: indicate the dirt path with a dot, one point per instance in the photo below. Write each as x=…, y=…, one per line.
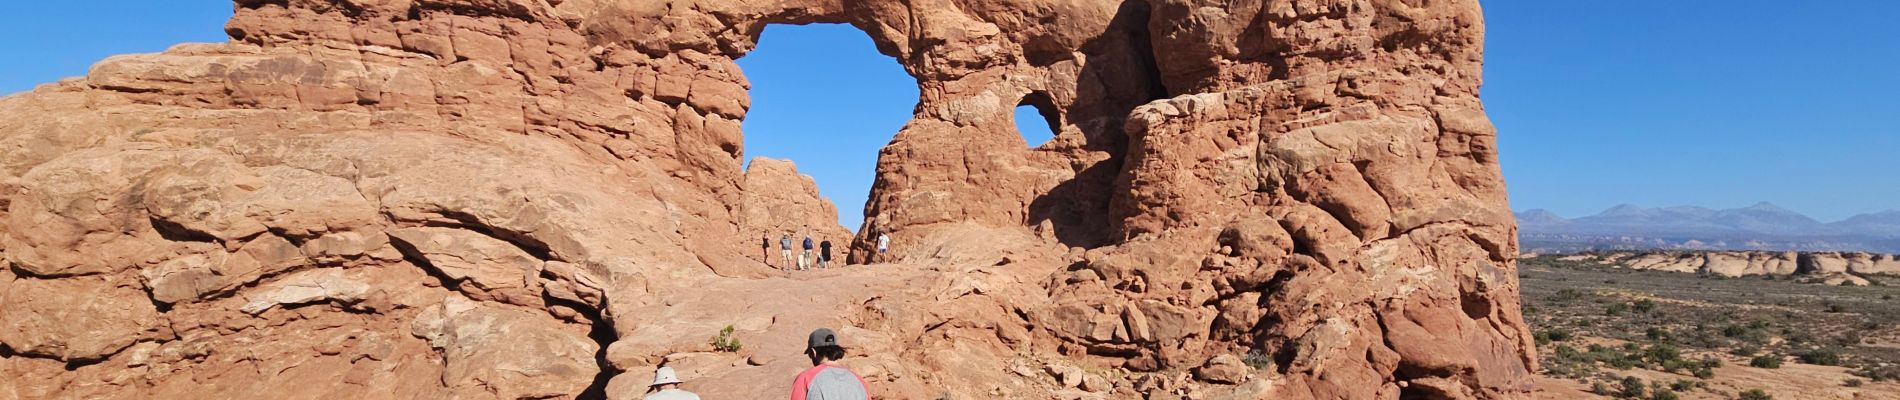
x=771, y=318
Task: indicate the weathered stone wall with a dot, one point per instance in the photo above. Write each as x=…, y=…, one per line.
x=1313, y=182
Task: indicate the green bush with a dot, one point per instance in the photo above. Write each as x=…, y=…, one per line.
x=1755, y=394
x=1879, y=373
x=1662, y=353
x=1836, y=308
x=1644, y=306
x=1565, y=351
x=1822, y=356
x=725, y=342
x=1711, y=362
x=1601, y=389
x=1663, y=394
x=1656, y=333
x=1566, y=295
x=1684, y=385
x=1616, y=309
x=1769, y=361
x=1631, y=387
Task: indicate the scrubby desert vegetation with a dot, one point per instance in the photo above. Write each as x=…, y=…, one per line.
x=1665, y=335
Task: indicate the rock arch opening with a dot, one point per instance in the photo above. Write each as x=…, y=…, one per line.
x=1037, y=119
x=824, y=101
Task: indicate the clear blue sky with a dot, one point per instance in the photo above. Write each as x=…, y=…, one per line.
x=48, y=40
x=1718, y=104
x=1597, y=103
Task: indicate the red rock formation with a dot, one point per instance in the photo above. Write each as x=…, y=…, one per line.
x=779, y=201
x=1834, y=268
x=408, y=197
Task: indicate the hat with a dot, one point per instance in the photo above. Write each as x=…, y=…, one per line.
x=822, y=337
x=665, y=375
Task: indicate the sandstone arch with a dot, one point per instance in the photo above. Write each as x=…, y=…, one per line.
x=1314, y=181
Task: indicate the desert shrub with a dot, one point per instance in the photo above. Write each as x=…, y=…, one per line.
x=1644, y=306
x=1257, y=359
x=1601, y=389
x=1822, y=356
x=1684, y=385
x=1836, y=308
x=1615, y=309
x=1733, y=330
x=1564, y=351
x=1663, y=394
x=1850, y=338
x=1879, y=373
x=1886, y=297
x=1711, y=362
x=1551, y=335
x=1704, y=373
x=1754, y=394
x=1620, y=362
x=725, y=342
x=1631, y=387
x=1660, y=353
x=1769, y=361
x=1566, y=295
x=1672, y=366
x=1656, y=333
x=1851, y=382
x=1798, y=337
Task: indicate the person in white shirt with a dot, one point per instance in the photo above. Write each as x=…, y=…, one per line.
x=666, y=386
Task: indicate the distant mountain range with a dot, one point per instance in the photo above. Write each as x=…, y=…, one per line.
x=1762, y=226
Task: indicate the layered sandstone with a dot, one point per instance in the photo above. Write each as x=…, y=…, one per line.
x=538, y=198
x=1829, y=267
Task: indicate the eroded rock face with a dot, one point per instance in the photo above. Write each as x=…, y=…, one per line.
x=779, y=201
x=1834, y=268
x=345, y=197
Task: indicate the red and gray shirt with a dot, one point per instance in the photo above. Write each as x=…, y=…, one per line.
x=829, y=382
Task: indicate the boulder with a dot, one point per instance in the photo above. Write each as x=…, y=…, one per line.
x=484, y=267
x=501, y=353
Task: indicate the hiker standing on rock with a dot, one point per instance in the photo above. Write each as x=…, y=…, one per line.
x=824, y=254
x=765, y=248
x=805, y=260
x=666, y=386
x=826, y=380
x=883, y=244
x=785, y=249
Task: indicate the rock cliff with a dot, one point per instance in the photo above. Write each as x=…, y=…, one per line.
x=543, y=198
x=779, y=201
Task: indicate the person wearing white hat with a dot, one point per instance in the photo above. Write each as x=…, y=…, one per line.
x=666, y=386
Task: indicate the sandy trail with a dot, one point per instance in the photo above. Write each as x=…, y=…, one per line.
x=771, y=318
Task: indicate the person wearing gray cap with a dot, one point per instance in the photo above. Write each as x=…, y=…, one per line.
x=827, y=380
x=666, y=386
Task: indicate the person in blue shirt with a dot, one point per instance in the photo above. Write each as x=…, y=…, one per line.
x=805, y=259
